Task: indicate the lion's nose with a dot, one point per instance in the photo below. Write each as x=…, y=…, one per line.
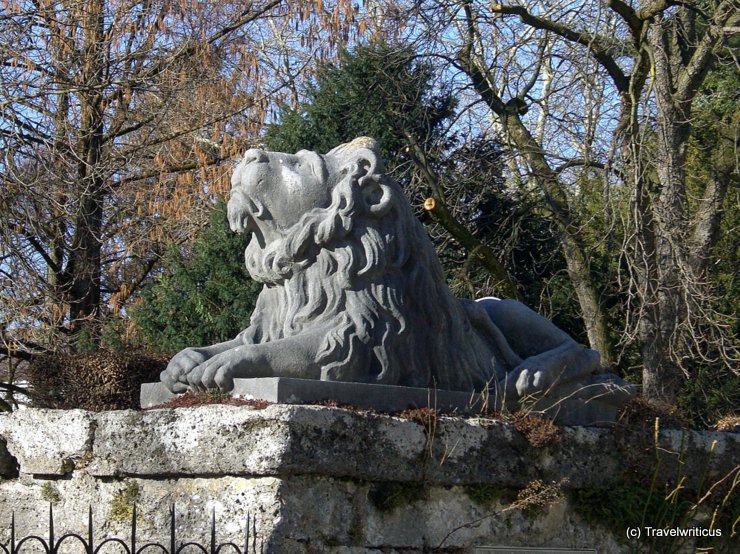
x=255, y=155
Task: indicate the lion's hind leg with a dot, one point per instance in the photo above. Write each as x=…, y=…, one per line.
x=550, y=357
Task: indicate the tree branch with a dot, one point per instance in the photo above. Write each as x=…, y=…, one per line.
x=627, y=14
x=589, y=41
x=590, y=163
x=39, y=248
x=654, y=8
x=690, y=79
x=247, y=16
x=166, y=170
x=442, y=215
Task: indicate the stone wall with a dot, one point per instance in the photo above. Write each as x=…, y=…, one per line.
x=322, y=479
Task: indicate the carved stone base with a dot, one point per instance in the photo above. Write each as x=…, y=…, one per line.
x=382, y=398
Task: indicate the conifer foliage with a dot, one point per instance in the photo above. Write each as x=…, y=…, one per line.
x=204, y=295
x=377, y=90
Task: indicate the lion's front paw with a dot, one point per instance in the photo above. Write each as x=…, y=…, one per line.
x=218, y=372
x=175, y=377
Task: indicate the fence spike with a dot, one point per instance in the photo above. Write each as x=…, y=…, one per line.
x=90, y=548
x=172, y=529
x=51, y=527
x=53, y=547
x=213, y=529
x=133, y=530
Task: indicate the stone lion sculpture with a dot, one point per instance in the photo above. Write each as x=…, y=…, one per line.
x=354, y=291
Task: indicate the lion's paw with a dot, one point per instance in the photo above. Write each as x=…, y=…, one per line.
x=537, y=374
x=546, y=371
x=217, y=373
x=531, y=381
x=175, y=377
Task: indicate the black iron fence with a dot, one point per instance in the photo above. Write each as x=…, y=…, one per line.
x=53, y=544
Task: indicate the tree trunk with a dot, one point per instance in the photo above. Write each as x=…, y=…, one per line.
x=85, y=256
x=670, y=328
x=593, y=315
x=576, y=258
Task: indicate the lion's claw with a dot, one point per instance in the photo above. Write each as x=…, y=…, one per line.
x=531, y=381
x=175, y=377
x=215, y=373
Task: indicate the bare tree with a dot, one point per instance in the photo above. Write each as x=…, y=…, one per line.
x=604, y=89
x=672, y=48
x=117, y=118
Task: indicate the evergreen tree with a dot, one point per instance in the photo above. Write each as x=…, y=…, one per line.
x=204, y=295
x=377, y=90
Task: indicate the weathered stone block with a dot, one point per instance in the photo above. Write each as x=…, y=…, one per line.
x=231, y=440
x=48, y=442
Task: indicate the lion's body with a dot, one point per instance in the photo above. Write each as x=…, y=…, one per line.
x=380, y=293
x=354, y=291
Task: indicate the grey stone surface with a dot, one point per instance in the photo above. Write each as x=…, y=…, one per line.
x=292, y=515
x=383, y=398
x=315, y=440
x=48, y=442
x=311, y=477
x=238, y=441
x=354, y=292
x=442, y=520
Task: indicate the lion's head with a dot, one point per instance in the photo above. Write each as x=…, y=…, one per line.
x=340, y=250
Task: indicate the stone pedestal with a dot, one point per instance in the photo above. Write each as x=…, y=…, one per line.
x=381, y=398
x=314, y=479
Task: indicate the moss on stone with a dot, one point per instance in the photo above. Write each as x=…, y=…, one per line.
x=50, y=493
x=122, y=505
x=388, y=496
x=487, y=494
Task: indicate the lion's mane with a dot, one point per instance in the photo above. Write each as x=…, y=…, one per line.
x=374, y=280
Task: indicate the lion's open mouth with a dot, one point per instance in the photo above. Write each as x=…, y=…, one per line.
x=239, y=213
x=247, y=215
